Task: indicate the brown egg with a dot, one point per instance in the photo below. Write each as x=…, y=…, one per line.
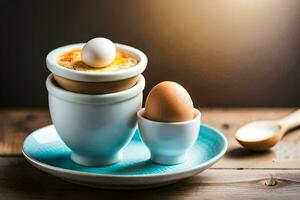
x=169, y=102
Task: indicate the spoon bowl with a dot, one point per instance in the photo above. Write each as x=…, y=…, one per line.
x=259, y=135
x=262, y=135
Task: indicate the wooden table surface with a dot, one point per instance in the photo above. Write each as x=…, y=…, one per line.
x=240, y=174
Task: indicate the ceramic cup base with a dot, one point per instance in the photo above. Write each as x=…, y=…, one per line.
x=94, y=162
x=168, y=160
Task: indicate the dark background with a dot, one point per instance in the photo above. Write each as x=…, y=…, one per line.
x=226, y=53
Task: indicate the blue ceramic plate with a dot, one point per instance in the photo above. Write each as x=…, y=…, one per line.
x=44, y=149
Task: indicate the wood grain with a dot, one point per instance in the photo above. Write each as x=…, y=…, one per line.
x=16, y=124
x=19, y=180
x=240, y=174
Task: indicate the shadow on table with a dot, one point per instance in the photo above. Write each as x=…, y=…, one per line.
x=20, y=180
x=240, y=152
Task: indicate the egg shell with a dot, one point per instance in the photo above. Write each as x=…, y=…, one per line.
x=169, y=102
x=98, y=52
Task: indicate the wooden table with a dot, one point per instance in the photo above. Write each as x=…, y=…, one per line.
x=240, y=174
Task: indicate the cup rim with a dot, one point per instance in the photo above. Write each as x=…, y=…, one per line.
x=54, y=67
x=196, y=118
x=109, y=98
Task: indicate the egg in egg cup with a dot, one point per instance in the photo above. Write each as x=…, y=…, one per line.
x=169, y=125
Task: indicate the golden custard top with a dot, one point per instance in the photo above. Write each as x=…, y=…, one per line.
x=72, y=60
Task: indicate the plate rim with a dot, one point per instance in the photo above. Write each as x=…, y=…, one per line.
x=92, y=174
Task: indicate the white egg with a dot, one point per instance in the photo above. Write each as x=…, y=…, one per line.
x=98, y=52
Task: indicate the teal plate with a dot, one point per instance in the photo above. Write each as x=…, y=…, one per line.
x=44, y=149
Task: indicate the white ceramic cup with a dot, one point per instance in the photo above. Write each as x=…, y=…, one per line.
x=95, y=127
x=169, y=142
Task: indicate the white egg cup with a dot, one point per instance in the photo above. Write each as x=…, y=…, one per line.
x=168, y=142
x=95, y=127
x=56, y=69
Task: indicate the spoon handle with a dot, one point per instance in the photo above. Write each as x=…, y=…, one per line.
x=290, y=121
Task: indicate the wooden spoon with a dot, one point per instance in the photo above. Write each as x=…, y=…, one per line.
x=262, y=135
